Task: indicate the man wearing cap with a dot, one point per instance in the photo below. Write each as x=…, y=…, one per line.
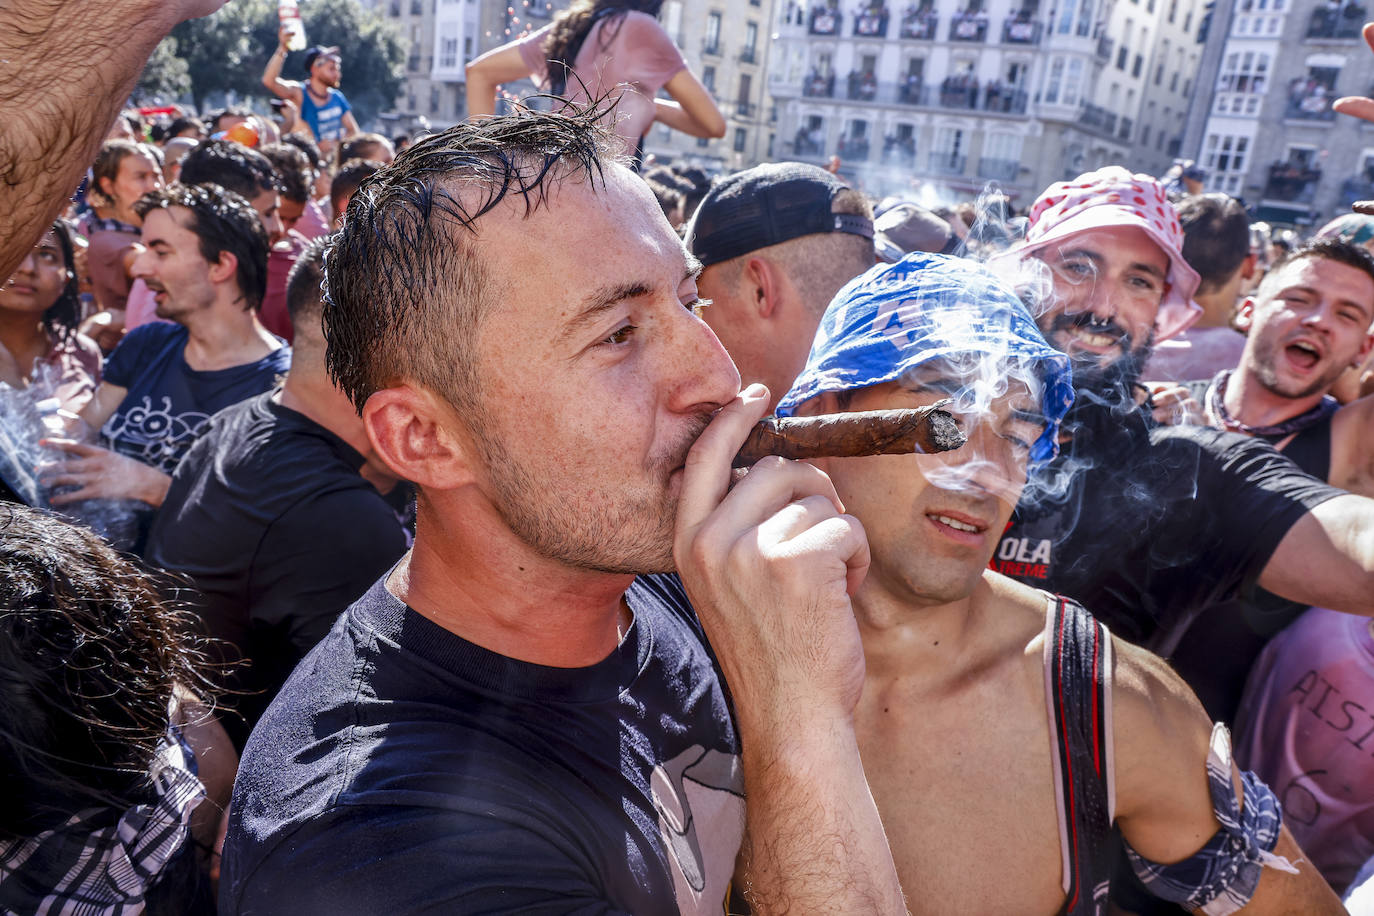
x=777, y=242
x=968, y=673
x=1148, y=525
x=323, y=107
x=906, y=227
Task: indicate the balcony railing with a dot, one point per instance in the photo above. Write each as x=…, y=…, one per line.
x=969, y=27
x=947, y=163
x=1126, y=128
x=1018, y=31
x=748, y=56
x=913, y=93
x=956, y=95
x=1311, y=106
x=1343, y=23
x=1006, y=101
x=817, y=86
x=1096, y=118
x=1104, y=48
x=710, y=46
x=871, y=23
x=863, y=87
x=825, y=21
x=1357, y=188
x=921, y=26
x=1292, y=183
x=900, y=151
x=998, y=169
x=806, y=145
x=853, y=148
x=745, y=109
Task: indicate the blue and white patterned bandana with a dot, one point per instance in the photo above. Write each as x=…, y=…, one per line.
x=929, y=307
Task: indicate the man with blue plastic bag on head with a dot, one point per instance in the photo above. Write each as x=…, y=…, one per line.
x=969, y=673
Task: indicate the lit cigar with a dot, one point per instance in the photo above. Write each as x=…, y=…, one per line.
x=853, y=435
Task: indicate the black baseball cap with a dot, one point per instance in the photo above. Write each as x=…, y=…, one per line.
x=766, y=205
x=319, y=51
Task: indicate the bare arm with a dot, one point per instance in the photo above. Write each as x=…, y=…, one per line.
x=1164, y=804
x=102, y=405
x=1327, y=558
x=1352, y=447
x=59, y=97
x=486, y=73
x=693, y=111
x=271, y=75
x=769, y=568
x=350, y=125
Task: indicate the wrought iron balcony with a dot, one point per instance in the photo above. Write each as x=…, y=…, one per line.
x=825, y=21
x=998, y=169
x=920, y=25
x=819, y=87
x=871, y=22
x=968, y=27
x=1292, y=183
x=947, y=163
x=853, y=148
x=1019, y=31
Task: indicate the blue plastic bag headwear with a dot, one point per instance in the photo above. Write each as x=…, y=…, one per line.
x=930, y=307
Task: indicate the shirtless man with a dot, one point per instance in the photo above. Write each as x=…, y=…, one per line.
x=969, y=672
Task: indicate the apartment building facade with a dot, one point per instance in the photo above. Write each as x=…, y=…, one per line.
x=941, y=98
x=1270, y=135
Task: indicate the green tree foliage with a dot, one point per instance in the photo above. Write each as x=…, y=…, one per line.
x=166, y=77
x=228, y=50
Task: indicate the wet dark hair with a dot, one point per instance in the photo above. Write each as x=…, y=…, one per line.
x=222, y=221
x=235, y=111
x=293, y=169
x=1333, y=249
x=307, y=146
x=304, y=296
x=350, y=175
x=62, y=318
x=405, y=289
x=356, y=147
x=570, y=29
x=1216, y=237
x=112, y=154
x=185, y=122
x=230, y=165
x=89, y=655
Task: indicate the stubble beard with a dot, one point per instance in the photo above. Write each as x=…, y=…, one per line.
x=622, y=532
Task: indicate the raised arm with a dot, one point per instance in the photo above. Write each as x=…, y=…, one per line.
x=1165, y=804
x=486, y=73
x=271, y=75
x=1327, y=558
x=692, y=110
x=769, y=568
x=59, y=97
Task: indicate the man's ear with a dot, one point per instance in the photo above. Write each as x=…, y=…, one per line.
x=418, y=437
x=1245, y=315
x=223, y=268
x=762, y=286
x=1247, y=267
x=1365, y=349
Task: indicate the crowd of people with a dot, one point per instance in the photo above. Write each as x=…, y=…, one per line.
x=371, y=540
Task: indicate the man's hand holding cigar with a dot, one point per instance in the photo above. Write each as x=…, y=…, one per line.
x=769, y=565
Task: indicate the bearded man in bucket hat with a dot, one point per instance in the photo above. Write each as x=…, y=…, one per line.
x=1148, y=525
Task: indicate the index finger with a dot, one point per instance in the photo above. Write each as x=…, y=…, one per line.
x=71, y=445
x=706, y=472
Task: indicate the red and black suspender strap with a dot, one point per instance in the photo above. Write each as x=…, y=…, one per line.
x=1078, y=693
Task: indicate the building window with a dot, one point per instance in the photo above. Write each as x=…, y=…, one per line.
x=1226, y=157
x=708, y=78
x=703, y=142
x=741, y=136
x=1138, y=65
x=751, y=38
x=1246, y=72
x=712, y=44
x=433, y=99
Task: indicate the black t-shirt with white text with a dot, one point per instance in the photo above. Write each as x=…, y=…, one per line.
x=1151, y=524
